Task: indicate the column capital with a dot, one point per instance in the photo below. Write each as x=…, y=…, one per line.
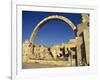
x=79, y=41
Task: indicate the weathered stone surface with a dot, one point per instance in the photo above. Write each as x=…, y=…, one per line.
x=66, y=20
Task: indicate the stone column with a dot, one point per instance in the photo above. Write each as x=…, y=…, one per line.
x=78, y=49
x=85, y=22
x=86, y=41
x=70, y=56
x=73, y=60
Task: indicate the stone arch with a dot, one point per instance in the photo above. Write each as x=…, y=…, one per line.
x=38, y=26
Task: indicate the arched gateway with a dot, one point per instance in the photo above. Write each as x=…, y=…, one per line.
x=39, y=25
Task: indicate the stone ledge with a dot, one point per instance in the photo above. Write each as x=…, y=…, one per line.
x=51, y=62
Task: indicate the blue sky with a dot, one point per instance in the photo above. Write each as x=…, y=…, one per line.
x=52, y=32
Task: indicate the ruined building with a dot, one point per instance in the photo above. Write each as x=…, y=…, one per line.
x=75, y=52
